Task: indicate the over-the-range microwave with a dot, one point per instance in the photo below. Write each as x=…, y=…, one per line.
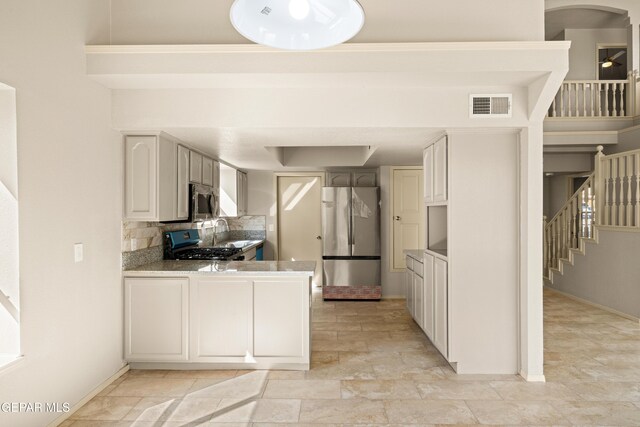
x=205, y=203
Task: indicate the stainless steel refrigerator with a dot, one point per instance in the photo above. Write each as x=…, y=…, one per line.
x=351, y=242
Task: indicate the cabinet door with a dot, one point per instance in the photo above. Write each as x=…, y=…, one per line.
x=141, y=180
x=195, y=168
x=418, y=286
x=156, y=319
x=440, y=339
x=427, y=325
x=221, y=318
x=281, y=311
x=427, y=166
x=183, y=182
x=207, y=171
x=338, y=179
x=440, y=171
x=409, y=288
x=216, y=174
x=364, y=179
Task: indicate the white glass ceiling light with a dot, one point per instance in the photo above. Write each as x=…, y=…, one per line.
x=297, y=24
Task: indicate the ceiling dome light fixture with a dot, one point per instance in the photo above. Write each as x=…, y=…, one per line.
x=297, y=24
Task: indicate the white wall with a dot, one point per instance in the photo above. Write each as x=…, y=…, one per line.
x=69, y=174
x=392, y=282
x=583, y=52
x=615, y=286
x=206, y=21
x=262, y=201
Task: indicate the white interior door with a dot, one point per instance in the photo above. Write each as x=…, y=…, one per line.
x=300, y=221
x=407, y=213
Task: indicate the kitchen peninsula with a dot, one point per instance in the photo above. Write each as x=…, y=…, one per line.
x=218, y=315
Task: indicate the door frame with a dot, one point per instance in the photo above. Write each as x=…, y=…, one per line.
x=276, y=176
x=392, y=169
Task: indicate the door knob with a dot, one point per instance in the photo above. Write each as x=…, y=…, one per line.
x=319, y=237
x=397, y=218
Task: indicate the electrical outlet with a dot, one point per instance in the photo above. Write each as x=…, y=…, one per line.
x=78, y=251
x=271, y=228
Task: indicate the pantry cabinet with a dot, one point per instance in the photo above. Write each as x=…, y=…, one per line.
x=151, y=179
x=156, y=319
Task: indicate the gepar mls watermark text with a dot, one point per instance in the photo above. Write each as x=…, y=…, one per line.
x=26, y=407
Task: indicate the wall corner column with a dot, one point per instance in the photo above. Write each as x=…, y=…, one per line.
x=531, y=254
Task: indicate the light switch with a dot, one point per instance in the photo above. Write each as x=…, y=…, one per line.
x=78, y=251
x=270, y=227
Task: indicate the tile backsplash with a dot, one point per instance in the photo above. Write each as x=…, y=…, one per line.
x=142, y=242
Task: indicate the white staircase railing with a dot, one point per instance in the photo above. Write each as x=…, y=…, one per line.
x=594, y=98
x=610, y=197
x=572, y=222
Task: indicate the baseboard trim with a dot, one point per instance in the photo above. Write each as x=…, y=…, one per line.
x=594, y=304
x=62, y=418
x=533, y=378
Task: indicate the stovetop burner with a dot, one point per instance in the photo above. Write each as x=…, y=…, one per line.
x=207, y=253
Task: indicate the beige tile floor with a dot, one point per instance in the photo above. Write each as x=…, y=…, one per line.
x=372, y=365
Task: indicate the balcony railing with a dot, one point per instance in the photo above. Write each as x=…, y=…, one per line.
x=594, y=98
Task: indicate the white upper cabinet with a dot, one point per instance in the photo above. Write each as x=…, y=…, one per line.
x=363, y=179
x=207, y=171
x=141, y=164
x=427, y=165
x=195, y=168
x=216, y=176
x=149, y=194
x=440, y=171
x=183, y=182
x=434, y=162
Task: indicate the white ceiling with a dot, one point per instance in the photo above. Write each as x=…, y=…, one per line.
x=246, y=147
x=580, y=18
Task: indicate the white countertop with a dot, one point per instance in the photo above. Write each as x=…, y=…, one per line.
x=241, y=268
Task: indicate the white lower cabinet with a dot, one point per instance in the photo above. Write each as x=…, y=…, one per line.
x=440, y=337
x=156, y=319
x=260, y=322
x=427, y=298
x=410, y=290
x=221, y=318
x=428, y=295
x=415, y=290
x=279, y=318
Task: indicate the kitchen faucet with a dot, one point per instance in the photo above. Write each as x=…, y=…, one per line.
x=215, y=225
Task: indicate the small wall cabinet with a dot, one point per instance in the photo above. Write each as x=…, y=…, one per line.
x=352, y=179
x=155, y=316
x=154, y=179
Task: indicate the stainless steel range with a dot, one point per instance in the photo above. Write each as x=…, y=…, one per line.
x=186, y=245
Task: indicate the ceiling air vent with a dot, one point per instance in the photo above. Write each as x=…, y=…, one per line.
x=490, y=105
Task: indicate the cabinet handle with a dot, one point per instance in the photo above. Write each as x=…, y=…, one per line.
x=397, y=218
x=319, y=237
